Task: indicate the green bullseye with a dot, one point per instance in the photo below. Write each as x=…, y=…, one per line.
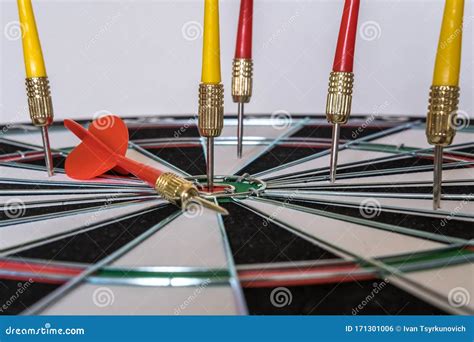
x=228, y=187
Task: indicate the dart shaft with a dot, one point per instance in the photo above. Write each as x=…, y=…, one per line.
x=240, y=129
x=32, y=52
x=243, y=47
x=438, y=176
x=334, y=152
x=144, y=172
x=344, y=57
x=211, y=59
x=448, y=55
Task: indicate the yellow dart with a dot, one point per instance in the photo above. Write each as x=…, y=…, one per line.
x=211, y=90
x=444, y=95
x=37, y=83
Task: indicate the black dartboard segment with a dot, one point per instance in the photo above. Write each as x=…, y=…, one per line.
x=18, y=295
x=254, y=239
x=93, y=245
x=189, y=159
x=436, y=225
x=347, y=298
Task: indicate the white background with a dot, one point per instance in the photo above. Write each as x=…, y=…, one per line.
x=143, y=57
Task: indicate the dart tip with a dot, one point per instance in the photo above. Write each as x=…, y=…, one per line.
x=240, y=129
x=436, y=194
x=437, y=176
x=332, y=177
x=436, y=202
x=47, y=151
x=334, y=150
x=209, y=205
x=210, y=164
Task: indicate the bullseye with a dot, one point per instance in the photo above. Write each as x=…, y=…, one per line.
x=226, y=187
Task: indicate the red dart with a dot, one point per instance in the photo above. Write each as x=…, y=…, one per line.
x=242, y=68
x=341, y=79
x=103, y=148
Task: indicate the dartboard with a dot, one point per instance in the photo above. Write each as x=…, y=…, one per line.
x=293, y=243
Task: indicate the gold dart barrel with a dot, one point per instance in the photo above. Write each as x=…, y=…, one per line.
x=441, y=118
x=242, y=72
x=175, y=189
x=339, y=99
x=39, y=101
x=211, y=109
x=182, y=192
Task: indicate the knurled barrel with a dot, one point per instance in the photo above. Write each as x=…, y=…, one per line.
x=175, y=189
x=441, y=119
x=339, y=99
x=211, y=109
x=39, y=101
x=242, y=72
